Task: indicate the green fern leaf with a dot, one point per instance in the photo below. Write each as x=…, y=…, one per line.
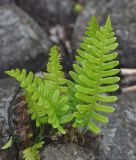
x=32, y=153
x=7, y=144
x=47, y=99
x=95, y=74
x=31, y=85
x=54, y=73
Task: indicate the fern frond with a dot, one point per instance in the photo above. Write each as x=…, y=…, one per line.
x=95, y=74
x=30, y=84
x=93, y=26
x=32, y=153
x=47, y=99
x=54, y=73
x=45, y=102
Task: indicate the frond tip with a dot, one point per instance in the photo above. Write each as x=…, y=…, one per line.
x=54, y=74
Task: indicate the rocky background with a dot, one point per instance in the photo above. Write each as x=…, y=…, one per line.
x=28, y=28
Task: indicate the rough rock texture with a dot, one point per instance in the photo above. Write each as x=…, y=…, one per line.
x=8, y=88
x=22, y=42
x=48, y=11
x=124, y=22
x=66, y=151
x=117, y=142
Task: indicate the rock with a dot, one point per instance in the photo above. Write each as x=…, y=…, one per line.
x=3, y=2
x=66, y=151
x=8, y=89
x=124, y=23
x=128, y=81
x=117, y=140
x=23, y=43
x=48, y=12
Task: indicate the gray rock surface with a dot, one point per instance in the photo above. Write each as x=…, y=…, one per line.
x=3, y=2
x=117, y=141
x=48, y=11
x=22, y=42
x=66, y=151
x=124, y=23
x=8, y=89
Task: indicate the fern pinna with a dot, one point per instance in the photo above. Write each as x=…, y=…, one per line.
x=46, y=100
x=94, y=74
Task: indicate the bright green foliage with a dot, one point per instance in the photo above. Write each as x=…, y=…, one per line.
x=7, y=144
x=32, y=153
x=31, y=85
x=95, y=74
x=46, y=100
x=54, y=74
x=56, y=101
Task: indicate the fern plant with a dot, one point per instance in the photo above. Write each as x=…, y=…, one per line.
x=46, y=100
x=54, y=100
x=95, y=74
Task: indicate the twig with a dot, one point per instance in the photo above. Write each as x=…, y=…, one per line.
x=129, y=89
x=128, y=71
